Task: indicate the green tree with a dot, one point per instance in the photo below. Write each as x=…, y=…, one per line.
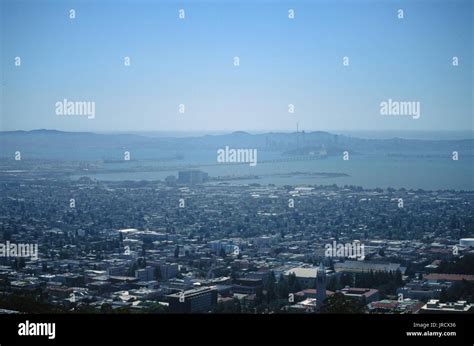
x=340, y=304
x=270, y=287
x=282, y=288
x=293, y=284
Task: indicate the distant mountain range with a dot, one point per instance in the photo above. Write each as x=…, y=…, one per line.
x=296, y=143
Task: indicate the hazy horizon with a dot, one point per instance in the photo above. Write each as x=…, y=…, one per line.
x=366, y=134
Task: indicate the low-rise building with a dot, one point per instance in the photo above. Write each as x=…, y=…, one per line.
x=193, y=301
x=434, y=306
x=363, y=295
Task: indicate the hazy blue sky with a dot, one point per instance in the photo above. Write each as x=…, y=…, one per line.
x=282, y=61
